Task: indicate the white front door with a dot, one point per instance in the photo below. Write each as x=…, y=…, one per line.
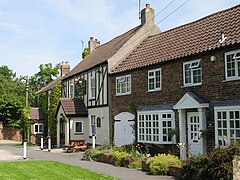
x=195, y=142
x=123, y=129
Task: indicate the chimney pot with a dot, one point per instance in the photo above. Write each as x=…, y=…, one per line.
x=147, y=15
x=91, y=38
x=147, y=5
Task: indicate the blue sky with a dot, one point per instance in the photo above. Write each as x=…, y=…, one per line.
x=34, y=32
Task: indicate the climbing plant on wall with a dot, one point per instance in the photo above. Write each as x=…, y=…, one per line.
x=43, y=104
x=54, y=98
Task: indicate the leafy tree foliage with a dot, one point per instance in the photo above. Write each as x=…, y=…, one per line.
x=54, y=99
x=85, y=52
x=44, y=76
x=12, y=97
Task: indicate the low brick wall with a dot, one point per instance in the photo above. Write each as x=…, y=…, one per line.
x=1, y=127
x=11, y=133
x=236, y=168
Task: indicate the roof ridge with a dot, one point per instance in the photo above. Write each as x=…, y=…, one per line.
x=195, y=21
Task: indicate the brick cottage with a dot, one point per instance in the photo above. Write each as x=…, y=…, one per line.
x=183, y=86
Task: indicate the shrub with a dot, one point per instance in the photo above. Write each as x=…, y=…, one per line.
x=122, y=158
x=93, y=154
x=216, y=165
x=160, y=164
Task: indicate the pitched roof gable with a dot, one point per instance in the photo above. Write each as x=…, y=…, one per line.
x=102, y=53
x=49, y=86
x=198, y=36
x=73, y=107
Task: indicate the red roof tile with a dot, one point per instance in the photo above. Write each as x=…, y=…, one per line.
x=36, y=114
x=102, y=53
x=73, y=107
x=192, y=38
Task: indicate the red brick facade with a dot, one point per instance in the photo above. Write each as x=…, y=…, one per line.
x=213, y=88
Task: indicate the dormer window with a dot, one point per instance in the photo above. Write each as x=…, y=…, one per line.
x=192, y=73
x=232, y=65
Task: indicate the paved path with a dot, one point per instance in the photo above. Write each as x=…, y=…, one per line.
x=75, y=160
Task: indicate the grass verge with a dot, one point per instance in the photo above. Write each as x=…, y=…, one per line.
x=39, y=170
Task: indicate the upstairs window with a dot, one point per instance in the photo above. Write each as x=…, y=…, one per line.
x=80, y=88
x=154, y=80
x=232, y=65
x=192, y=73
x=123, y=85
x=92, y=89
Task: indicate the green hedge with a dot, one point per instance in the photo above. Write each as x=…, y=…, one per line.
x=216, y=165
x=160, y=163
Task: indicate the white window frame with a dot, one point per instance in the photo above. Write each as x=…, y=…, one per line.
x=71, y=90
x=154, y=79
x=92, y=88
x=92, y=124
x=146, y=132
x=38, y=132
x=75, y=122
x=236, y=60
x=195, y=65
x=226, y=140
x=122, y=80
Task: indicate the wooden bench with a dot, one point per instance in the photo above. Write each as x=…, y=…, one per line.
x=76, y=144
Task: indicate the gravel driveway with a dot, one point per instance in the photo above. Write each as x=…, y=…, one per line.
x=6, y=155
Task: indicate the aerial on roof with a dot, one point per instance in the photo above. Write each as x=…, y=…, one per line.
x=73, y=107
x=102, y=53
x=214, y=31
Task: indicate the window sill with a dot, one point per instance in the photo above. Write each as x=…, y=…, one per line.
x=38, y=133
x=191, y=85
x=228, y=80
x=78, y=133
x=154, y=90
x=123, y=94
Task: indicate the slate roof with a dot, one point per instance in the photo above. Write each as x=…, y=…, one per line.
x=198, y=36
x=233, y=102
x=73, y=107
x=102, y=53
x=155, y=108
x=49, y=86
x=36, y=114
x=197, y=98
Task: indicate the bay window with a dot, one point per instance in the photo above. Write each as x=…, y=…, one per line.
x=155, y=126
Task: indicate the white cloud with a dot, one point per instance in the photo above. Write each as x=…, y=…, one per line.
x=13, y=28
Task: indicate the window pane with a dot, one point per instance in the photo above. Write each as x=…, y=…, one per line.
x=197, y=76
x=36, y=128
x=40, y=128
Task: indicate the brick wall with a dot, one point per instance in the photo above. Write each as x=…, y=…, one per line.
x=1, y=127
x=213, y=87
x=11, y=133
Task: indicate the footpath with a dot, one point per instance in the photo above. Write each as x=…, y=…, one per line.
x=8, y=150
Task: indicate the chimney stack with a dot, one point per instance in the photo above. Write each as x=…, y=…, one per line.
x=65, y=68
x=147, y=15
x=93, y=44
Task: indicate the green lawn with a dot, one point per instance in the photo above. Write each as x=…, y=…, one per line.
x=45, y=170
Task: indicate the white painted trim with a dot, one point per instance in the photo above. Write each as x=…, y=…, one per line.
x=236, y=69
x=200, y=67
x=154, y=71
x=187, y=102
x=130, y=89
x=75, y=127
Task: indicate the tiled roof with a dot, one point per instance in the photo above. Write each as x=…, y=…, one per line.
x=36, y=114
x=49, y=86
x=102, y=53
x=199, y=36
x=73, y=107
x=233, y=102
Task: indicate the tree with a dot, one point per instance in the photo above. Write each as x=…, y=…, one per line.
x=85, y=52
x=12, y=97
x=44, y=76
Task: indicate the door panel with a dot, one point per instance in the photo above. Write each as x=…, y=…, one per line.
x=194, y=140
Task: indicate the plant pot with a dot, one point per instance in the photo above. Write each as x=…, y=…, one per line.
x=174, y=171
x=145, y=166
